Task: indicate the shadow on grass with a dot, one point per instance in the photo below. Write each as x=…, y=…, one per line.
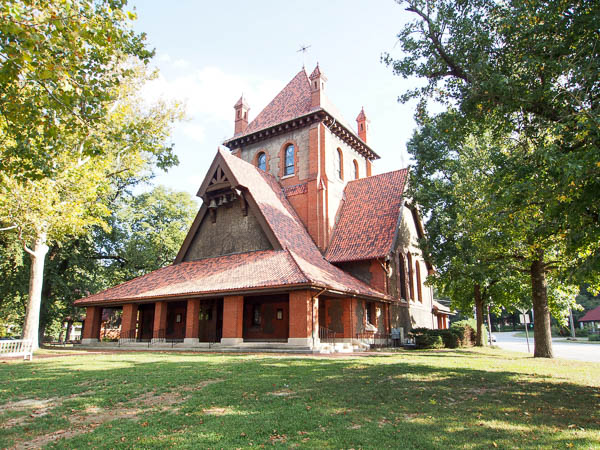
x=413, y=400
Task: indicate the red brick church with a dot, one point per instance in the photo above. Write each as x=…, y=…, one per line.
x=296, y=244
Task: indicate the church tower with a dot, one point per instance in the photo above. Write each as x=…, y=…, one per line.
x=302, y=140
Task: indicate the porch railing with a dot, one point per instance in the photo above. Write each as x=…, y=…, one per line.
x=377, y=340
x=327, y=335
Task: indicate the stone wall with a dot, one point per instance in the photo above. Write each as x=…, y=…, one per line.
x=231, y=233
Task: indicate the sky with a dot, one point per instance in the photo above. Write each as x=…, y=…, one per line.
x=210, y=52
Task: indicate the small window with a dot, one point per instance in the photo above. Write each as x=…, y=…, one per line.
x=338, y=164
x=289, y=160
x=256, y=315
x=262, y=161
x=356, y=174
x=280, y=314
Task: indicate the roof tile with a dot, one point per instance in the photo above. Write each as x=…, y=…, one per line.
x=368, y=218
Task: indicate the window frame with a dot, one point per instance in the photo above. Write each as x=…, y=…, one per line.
x=285, y=160
x=258, y=162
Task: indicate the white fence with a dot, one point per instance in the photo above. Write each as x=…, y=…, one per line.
x=17, y=348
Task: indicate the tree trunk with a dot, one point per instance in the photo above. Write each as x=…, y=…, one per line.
x=542, y=332
x=479, y=342
x=36, y=279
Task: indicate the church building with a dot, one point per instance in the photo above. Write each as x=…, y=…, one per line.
x=296, y=245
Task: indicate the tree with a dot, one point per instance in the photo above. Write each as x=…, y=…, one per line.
x=523, y=72
x=441, y=183
x=50, y=209
x=145, y=233
x=61, y=62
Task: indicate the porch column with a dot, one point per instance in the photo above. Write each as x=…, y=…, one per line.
x=91, y=329
x=129, y=322
x=159, y=333
x=386, y=318
x=233, y=317
x=192, y=321
x=348, y=311
x=303, y=314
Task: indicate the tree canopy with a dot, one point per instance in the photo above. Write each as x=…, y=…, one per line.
x=520, y=81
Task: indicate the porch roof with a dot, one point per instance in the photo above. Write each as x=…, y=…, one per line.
x=224, y=275
x=591, y=316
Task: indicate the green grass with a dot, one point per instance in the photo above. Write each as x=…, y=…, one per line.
x=412, y=399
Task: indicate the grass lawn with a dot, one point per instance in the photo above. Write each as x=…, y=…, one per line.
x=412, y=399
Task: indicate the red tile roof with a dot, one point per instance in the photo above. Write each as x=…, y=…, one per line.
x=244, y=271
x=591, y=316
x=289, y=230
x=368, y=218
x=293, y=101
x=299, y=261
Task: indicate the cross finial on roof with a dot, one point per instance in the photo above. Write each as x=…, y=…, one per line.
x=303, y=49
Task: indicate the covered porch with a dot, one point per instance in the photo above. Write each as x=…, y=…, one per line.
x=297, y=320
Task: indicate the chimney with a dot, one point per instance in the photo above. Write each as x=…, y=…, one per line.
x=317, y=86
x=241, y=115
x=363, y=125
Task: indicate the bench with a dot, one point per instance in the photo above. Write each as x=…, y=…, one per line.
x=21, y=347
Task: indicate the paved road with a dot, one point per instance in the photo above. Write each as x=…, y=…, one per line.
x=561, y=347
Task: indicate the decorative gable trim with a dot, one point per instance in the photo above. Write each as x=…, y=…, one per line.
x=221, y=185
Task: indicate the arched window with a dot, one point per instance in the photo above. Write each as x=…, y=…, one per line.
x=261, y=161
x=418, y=270
x=402, y=277
x=289, y=160
x=411, y=285
x=356, y=174
x=339, y=161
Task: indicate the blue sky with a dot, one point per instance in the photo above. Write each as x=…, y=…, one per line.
x=208, y=53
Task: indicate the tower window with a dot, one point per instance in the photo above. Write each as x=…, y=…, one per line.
x=262, y=161
x=289, y=160
x=356, y=174
x=339, y=164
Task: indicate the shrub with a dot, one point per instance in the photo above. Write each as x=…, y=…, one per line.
x=581, y=332
x=470, y=331
x=429, y=340
x=594, y=337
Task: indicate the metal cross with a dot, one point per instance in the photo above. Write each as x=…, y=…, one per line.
x=303, y=49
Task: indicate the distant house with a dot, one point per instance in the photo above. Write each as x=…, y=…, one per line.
x=593, y=318
x=296, y=243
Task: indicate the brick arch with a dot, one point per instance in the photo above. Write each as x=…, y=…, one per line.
x=267, y=159
x=356, y=169
x=282, y=158
x=339, y=170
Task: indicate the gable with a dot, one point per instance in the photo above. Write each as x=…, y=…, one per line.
x=368, y=218
x=231, y=232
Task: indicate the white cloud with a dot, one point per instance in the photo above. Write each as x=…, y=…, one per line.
x=211, y=92
x=193, y=131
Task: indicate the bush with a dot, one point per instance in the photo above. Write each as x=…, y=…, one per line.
x=581, y=332
x=470, y=331
x=429, y=340
x=594, y=337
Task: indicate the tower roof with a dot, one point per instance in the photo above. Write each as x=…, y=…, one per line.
x=294, y=101
x=241, y=102
x=361, y=115
x=316, y=73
